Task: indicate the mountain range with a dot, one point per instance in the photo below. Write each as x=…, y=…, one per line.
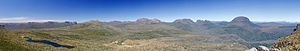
x=145, y=34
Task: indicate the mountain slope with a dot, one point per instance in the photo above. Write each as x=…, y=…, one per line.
x=291, y=42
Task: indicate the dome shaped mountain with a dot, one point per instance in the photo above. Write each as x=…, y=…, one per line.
x=242, y=21
x=184, y=21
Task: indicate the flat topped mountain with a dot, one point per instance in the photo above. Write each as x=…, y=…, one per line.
x=186, y=21
x=145, y=20
x=240, y=19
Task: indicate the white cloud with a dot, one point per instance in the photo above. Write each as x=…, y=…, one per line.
x=24, y=20
x=15, y=18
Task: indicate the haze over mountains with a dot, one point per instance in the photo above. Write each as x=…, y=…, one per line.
x=146, y=34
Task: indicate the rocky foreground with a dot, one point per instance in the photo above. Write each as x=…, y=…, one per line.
x=289, y=43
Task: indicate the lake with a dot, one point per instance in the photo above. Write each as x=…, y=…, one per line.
x=48, y=42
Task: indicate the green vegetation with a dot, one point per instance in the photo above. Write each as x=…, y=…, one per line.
x=8, y=45
x=99, y=36
x=290, y=43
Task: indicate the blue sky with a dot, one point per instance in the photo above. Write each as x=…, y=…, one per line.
x=165, y=10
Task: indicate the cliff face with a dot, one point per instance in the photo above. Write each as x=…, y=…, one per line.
x=291, y=42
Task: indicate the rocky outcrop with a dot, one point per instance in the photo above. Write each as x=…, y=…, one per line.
x=184, y=21
x=145, y=20
x=262, y=48
x=203, y=21
x=289, y=43
x=297, y=27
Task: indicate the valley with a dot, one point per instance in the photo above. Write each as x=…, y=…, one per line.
x=147, y=35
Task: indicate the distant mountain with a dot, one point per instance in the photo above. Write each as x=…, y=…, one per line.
x=125, y=36
x=249, y=31
x=206, y=24
x=37, y=25
x=280, y=22
x=144, y=34
x=242, y=21
x=145, y=20
x=184, y=21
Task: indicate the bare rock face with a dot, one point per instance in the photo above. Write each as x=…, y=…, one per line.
x=185, y=21
x=274, y=49
x=155, y=20
x=145, y=20
x=262, y=48
x=252, y=49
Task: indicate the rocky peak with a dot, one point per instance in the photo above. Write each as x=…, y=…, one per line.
x=240, y=19
x=263, y=48
x=203, y=21
x=142, y=20
x=290, y=42
x=145, y=20
x=187, y=21
x=155, y=20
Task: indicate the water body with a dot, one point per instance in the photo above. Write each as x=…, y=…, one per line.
x=48, y=42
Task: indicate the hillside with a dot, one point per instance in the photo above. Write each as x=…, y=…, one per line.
x=96, y=35
x=148, y=34
x=289, y=43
